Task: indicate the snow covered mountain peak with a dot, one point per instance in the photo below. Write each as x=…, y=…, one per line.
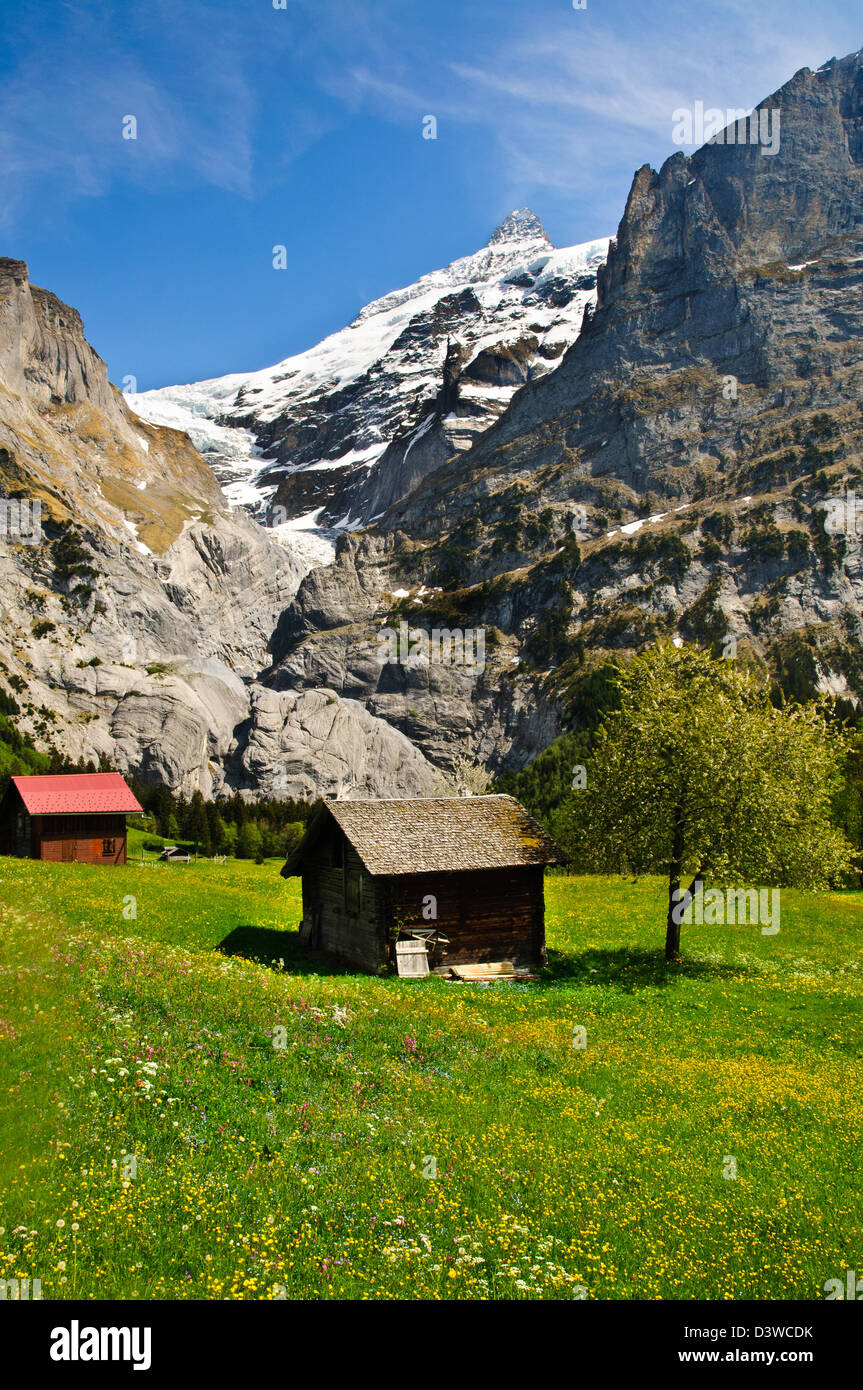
x=331, y=437
x=519, y=225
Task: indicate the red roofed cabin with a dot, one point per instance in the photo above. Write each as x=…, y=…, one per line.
x=77, y=818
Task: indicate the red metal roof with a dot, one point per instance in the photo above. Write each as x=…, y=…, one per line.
x=76, y=793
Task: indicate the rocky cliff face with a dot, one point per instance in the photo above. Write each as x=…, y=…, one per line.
x=733, y=263
x=670, y=477
x=669, y=473
x=136, y=623
x=342, y=431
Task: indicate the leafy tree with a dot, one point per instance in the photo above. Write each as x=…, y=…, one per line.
x=697, y=773
x=249, y=840
x=848, y=806
x=468, y=778
x=293, y=833
x=272, y=843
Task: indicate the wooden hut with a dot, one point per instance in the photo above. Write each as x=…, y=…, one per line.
x=73, y=818
x=467, y=870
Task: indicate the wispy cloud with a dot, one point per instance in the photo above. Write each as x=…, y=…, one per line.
x=62, y=111
x=597, y=89
x=563, y=100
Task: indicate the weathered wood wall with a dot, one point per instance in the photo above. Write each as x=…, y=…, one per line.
x=342, y=906
x=488, y=914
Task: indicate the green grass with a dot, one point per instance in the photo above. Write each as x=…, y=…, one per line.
x=137, y=839
x=300, y=1171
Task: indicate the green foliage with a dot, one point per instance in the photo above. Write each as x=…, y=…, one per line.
x=453, y=567
x=829, y=549
x=719, y=525
x=292, y=835
x=71, y=565
x=7, y=704
x=507, y=540
x=249, y=841
x=626, y=625
x=763, y=540
x=795, y=669
x=665, y=549
x=215, y=825
x=549, y=641
x=18, y=756
x=698, y=774
x=705, y=620
x=545, y=787
x=564, y=563
x=198, y=825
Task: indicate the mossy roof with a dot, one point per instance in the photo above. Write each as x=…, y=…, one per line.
x=434, y=835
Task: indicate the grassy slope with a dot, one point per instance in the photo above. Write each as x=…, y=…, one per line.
x=264, y=1171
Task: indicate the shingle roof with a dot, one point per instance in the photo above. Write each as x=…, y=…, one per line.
x=76, y=793
x=436, y=835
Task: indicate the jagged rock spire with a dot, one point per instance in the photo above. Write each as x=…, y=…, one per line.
x=519, y=225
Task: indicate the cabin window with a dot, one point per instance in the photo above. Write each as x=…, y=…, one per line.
x=354, y=894
x=108, y=847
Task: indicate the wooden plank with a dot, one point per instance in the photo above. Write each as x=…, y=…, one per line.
x=491, y=970
x=412, y=958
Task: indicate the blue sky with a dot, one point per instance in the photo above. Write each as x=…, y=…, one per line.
x=302, y=126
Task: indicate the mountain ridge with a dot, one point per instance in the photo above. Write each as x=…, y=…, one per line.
x=669, y=478
x=666, y=474
x=334, y=435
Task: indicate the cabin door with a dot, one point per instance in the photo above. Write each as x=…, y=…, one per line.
x=69, y=847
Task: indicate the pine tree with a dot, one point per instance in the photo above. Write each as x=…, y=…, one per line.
x=198, y=824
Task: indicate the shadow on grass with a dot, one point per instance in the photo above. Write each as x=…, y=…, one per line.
x=281, y=950
x=630, y=968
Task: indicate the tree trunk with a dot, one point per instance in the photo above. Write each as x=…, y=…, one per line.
x=678, y=844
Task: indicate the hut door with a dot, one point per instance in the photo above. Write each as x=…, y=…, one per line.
x=68, y=850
